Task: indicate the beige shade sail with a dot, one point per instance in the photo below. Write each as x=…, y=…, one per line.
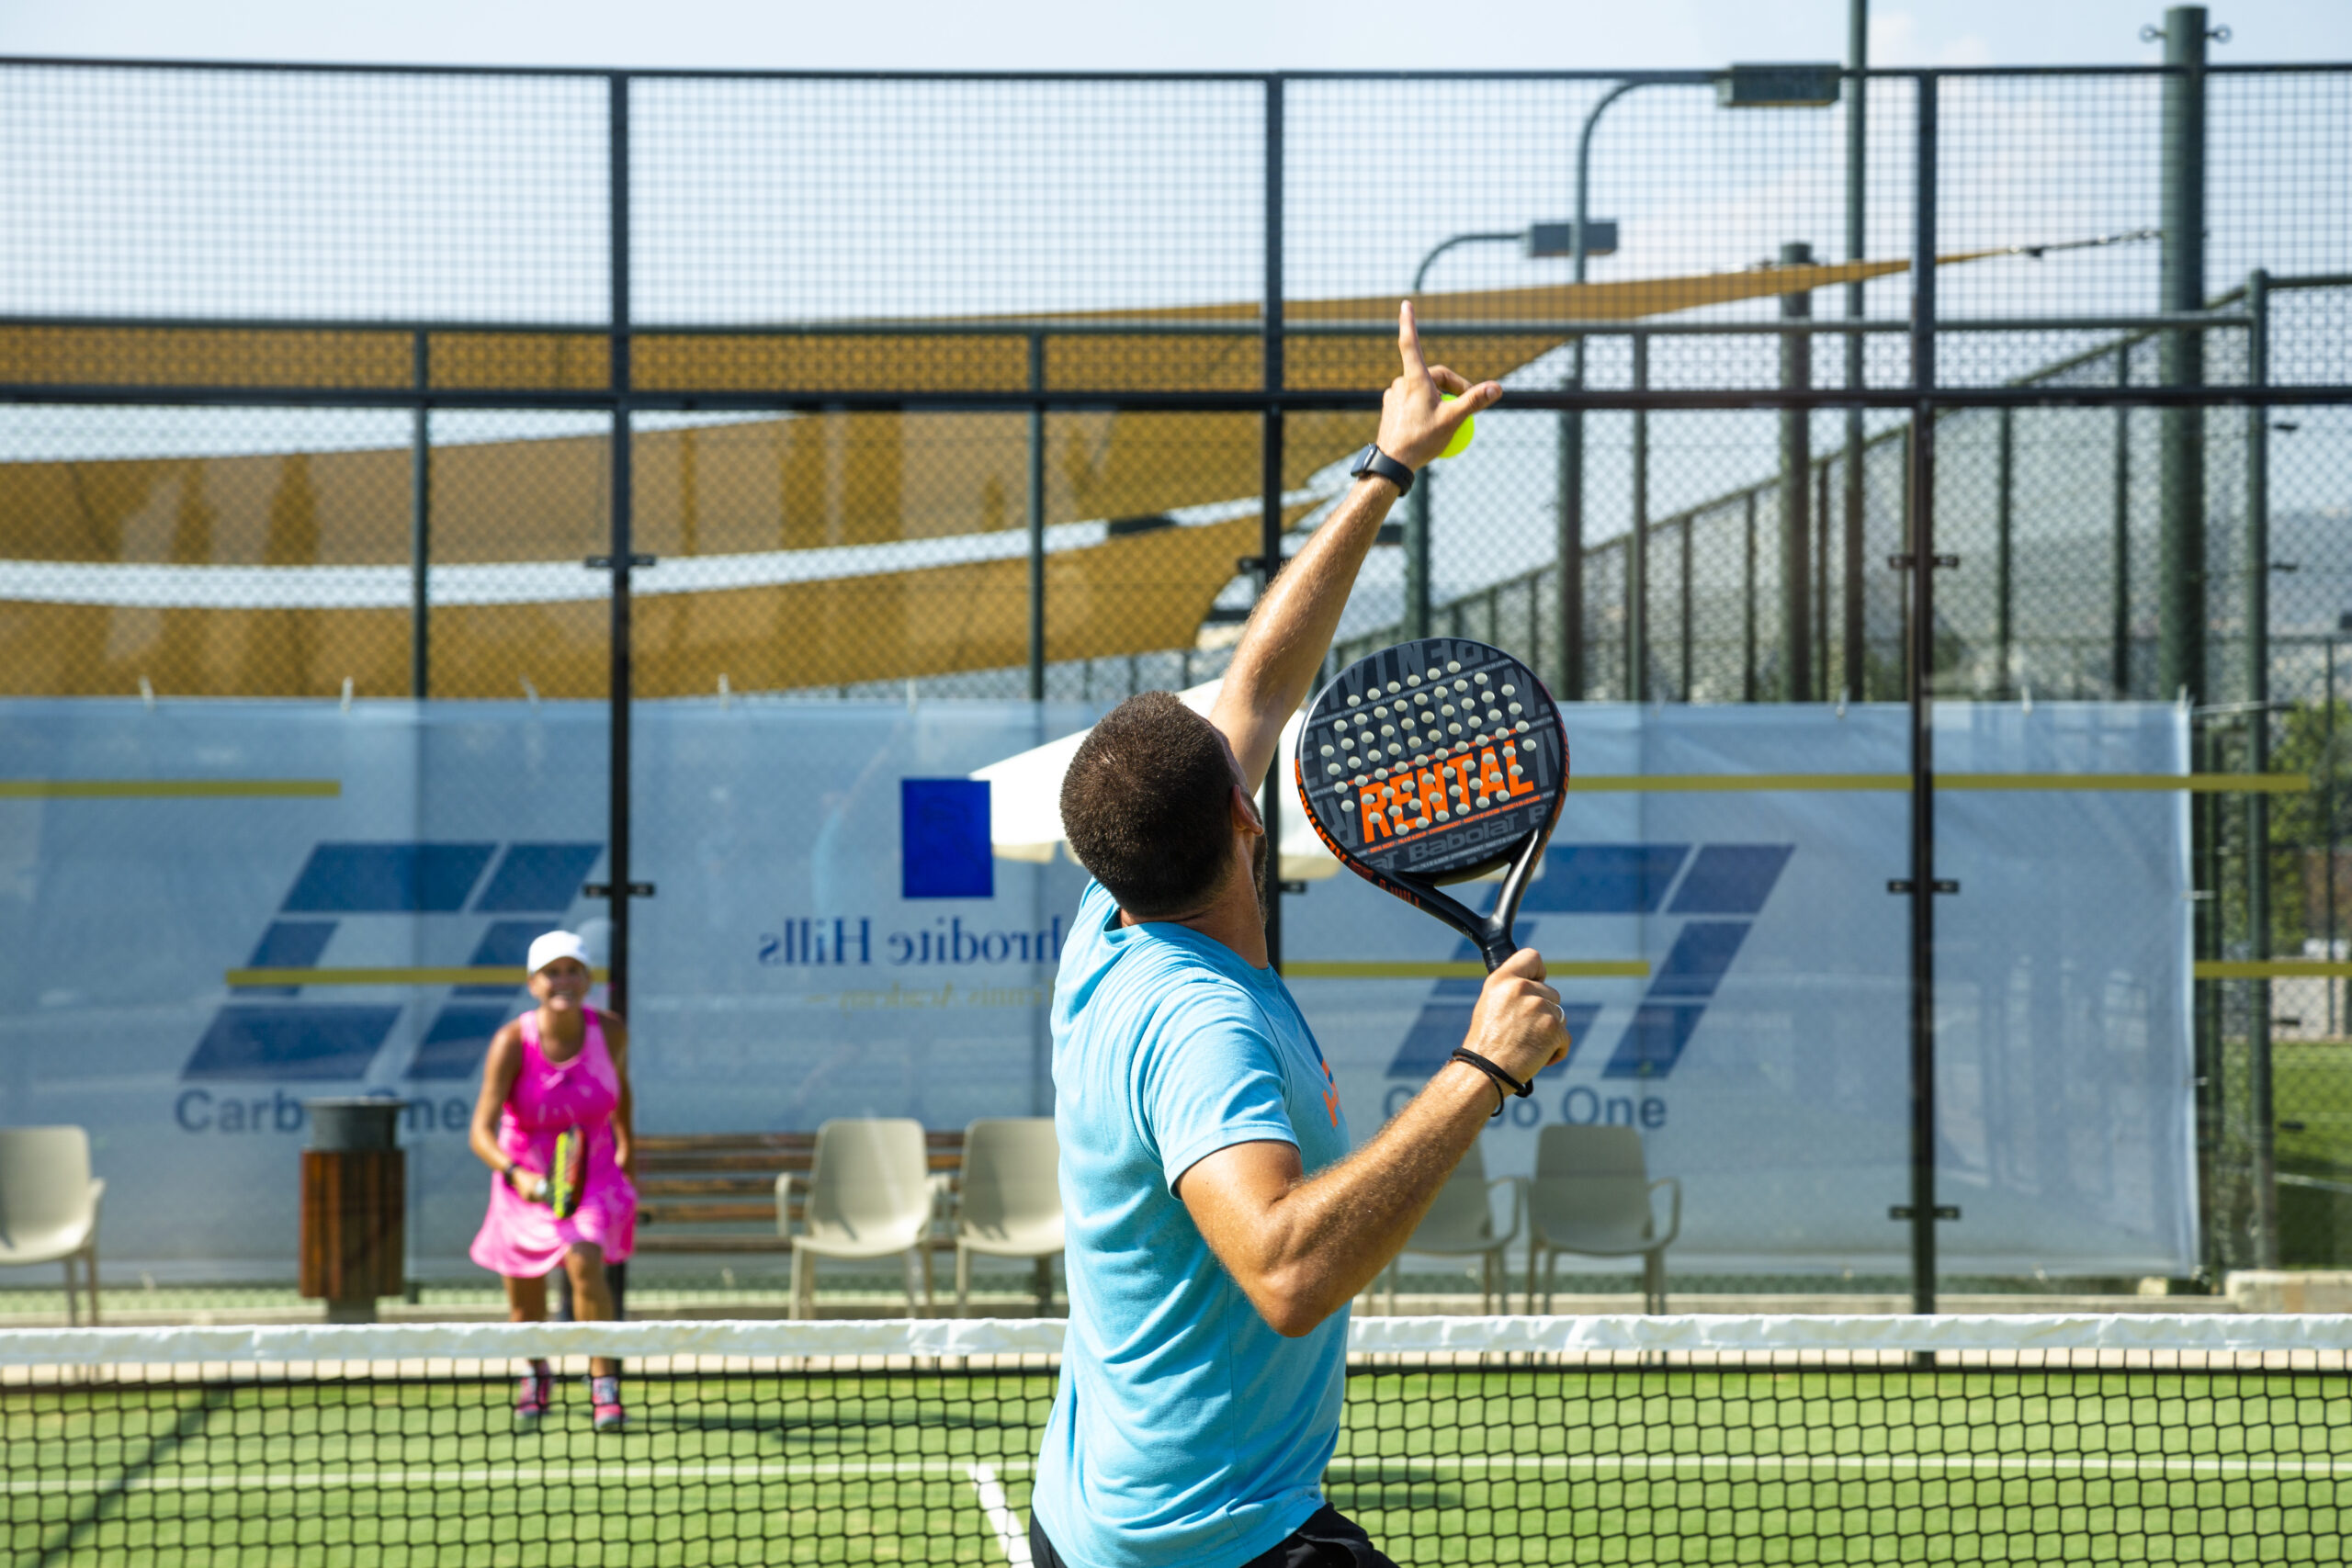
x=962, y=355
x=798, y=550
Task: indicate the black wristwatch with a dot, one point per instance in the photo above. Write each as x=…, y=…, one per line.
x=1381, y=465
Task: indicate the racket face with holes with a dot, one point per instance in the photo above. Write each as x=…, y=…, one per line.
x=1432, y=762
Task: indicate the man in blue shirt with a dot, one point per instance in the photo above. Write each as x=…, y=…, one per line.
x=1217, y=1225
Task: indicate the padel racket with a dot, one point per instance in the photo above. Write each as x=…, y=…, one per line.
x=1434, y=762
x=571, y=1172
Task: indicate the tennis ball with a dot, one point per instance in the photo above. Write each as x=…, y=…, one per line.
x=1460, y=441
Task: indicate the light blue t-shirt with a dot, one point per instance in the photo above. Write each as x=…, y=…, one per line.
x=1185, y=1431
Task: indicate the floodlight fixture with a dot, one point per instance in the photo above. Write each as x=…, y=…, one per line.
x=1798, y=86
x=1545, y=240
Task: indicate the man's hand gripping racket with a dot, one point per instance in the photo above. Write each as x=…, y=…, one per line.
x=1433, y=763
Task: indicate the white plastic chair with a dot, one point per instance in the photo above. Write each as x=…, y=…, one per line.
x=1011, y=1202
x=1591, y=1197
x=1461, y=1224
x=49, y=1205
x=870, y=1195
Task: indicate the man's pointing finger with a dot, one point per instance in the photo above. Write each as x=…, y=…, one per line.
x=1408, y=343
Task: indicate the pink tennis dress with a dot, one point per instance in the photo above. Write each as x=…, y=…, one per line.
x=525, y=1240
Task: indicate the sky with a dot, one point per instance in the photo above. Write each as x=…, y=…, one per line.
x=1122, y=35
x=506, y=236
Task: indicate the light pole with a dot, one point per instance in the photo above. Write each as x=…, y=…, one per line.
x=1858, y=39
x=1540, y=241
x=2327, y=804
x=1569, y=512
x=1737, y=86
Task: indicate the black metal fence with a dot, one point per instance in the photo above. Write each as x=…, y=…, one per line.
x=636, y=387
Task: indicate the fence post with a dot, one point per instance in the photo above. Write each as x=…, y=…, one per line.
x=1638, y=542
x=617, y=852
x=1904, y=529
x=1269, y=522
x=420, y=523
x=2257, y=804
x=1569, y=525
x=1038, y=518
x=1535, y=620
x=2205, y=937
x=1821, y=579
x=1689, y=523
x=2119, y=661
x=1856, y=130
x=1748, y=599
x=2005, y=553
x=1922, y=665
x=2180, y=455
x=2213, y=1087
x=1796, y=464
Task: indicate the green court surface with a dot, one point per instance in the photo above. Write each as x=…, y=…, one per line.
x=1566, y=1464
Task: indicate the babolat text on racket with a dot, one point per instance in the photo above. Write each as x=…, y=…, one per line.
x=1434, y=762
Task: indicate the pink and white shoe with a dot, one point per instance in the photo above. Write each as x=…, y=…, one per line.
x=532, y=1396
x=605, y=1393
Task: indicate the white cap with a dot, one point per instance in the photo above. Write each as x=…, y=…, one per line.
x=547, y=948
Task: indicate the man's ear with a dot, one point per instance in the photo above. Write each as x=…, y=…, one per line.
x=1244, y=812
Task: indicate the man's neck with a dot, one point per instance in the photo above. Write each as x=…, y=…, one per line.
x=1232, y=919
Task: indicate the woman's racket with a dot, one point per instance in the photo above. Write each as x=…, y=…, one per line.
x=571, y=1172
x=1432, y=762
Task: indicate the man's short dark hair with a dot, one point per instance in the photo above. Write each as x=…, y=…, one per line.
x=1145, y=805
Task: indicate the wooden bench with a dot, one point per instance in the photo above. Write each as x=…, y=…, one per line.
x=715, y=1193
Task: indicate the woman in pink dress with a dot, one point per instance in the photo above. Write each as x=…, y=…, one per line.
x=560, y=1066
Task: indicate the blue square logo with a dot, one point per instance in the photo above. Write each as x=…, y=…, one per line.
x=943, y=839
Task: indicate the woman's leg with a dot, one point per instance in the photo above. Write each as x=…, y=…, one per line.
x=526, y=1300
x=592, y=1298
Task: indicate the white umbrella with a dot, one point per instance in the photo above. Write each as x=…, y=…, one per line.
x=1026, y=799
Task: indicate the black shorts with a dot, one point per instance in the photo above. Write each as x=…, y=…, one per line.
x=1328, y=1540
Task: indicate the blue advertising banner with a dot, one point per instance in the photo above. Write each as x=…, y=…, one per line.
x=211, y=911
x=1736, y=977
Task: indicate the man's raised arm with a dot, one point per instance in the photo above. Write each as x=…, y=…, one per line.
x=1291, y=628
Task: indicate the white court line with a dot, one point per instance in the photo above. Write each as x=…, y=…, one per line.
x=986, y=1476
x=586, y=1473
x=1012, y=1536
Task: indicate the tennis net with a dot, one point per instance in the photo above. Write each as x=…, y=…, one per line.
x=2123, y=1438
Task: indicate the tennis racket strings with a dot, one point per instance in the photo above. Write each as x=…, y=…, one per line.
x=1432, y=762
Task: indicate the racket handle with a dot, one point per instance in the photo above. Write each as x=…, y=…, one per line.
x=1495, y=947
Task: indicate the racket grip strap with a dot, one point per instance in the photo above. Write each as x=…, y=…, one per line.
x=1503, y=1080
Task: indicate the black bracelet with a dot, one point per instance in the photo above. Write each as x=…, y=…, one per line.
x=1502, y=1079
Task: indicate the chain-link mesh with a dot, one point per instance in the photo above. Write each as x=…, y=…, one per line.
x=314, y=377
x=219, y=552
x=356, y=196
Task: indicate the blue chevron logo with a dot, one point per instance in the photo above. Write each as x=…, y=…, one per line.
x=1717, y=889
x=278, y=1034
